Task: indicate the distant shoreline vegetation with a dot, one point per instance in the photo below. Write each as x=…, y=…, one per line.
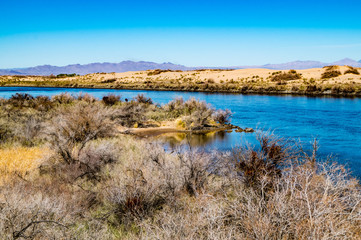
x=327, y=81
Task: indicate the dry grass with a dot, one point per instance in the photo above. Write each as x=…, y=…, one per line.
x=94, y=184
x=21, y=160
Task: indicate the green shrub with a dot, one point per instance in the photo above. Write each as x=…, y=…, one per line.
x=64, y=75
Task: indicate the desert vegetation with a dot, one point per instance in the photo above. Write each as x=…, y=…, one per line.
x=331, y=72
x=286, y=76
x=67, y=172
x=352, y=70
x=330, y=80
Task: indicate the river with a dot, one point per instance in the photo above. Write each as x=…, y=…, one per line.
x=335, y=122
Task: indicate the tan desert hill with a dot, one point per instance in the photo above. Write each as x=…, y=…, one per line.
x=336, y=79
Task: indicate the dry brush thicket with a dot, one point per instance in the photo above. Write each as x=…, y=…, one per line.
x=92, y=183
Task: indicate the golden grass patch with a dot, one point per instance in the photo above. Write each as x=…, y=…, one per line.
x=20, y=160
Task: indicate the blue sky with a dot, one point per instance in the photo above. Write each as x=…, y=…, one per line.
x=193, y=33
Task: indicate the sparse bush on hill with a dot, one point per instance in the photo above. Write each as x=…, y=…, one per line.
x=331, y=67
x=352, y=70
x=330, y=74
x=283, y=76
x=112, y=80
x=159, y=71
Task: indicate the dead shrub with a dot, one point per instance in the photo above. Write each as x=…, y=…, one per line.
x=85, y=171
x=6, y=132
x=31, y=215
x=197, y=113
x=222, y=116
x=43, y=103
x=197, y=168
x=135, y=198
x=130, y=113
x=63, y=98
x=111, y=99
x=86, y=98
x=21, y=100
x=264, y=167
x=30, y=131
x=141, y=188
x=175, y=108
x=140, y=98
x=74, y=126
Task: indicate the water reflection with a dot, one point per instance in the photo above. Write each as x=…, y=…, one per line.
x=216, y=140
x=194, y=140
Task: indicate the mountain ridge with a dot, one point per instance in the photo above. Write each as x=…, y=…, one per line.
x=126, y=66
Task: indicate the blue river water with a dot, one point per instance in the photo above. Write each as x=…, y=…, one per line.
x=335, y=122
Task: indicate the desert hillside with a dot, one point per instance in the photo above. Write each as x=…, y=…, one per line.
x=326, y=80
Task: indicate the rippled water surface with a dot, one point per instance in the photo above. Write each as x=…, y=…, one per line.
x=335, y=122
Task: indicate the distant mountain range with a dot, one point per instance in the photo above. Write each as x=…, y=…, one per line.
x=126, y=66
x=306, y=64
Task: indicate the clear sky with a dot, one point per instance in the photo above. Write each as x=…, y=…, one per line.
x=192, y=33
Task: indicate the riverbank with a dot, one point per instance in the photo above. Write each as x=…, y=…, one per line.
x=328, y=81
x=172, y=128
x=66, y=171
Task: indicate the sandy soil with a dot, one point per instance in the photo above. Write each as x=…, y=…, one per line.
x=218, y=76
x=204, y=80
